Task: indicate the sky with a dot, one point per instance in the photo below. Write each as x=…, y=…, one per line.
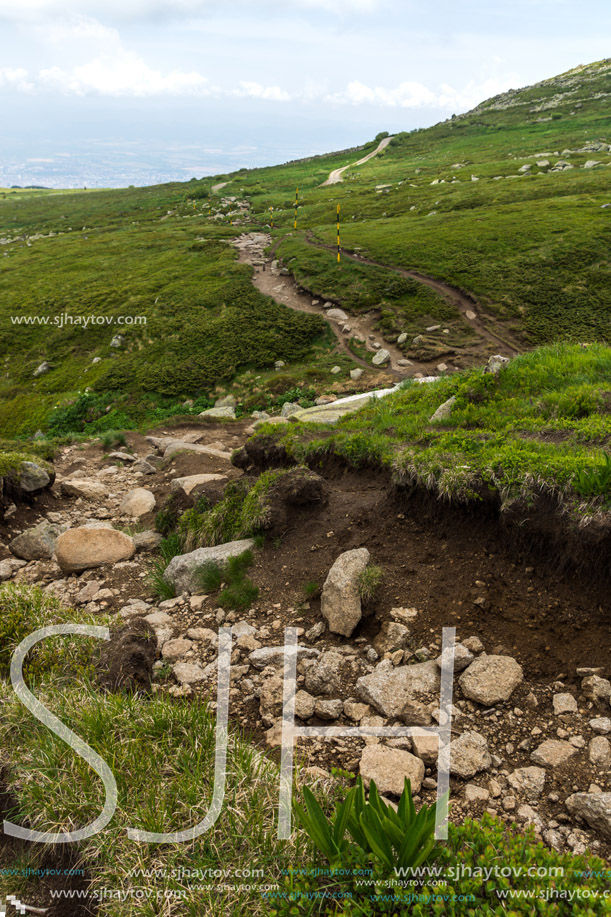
x=113, y=92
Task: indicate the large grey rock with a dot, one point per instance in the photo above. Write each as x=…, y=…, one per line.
x=593, y=808
x=337, y=315
x=389, y=689
x=194, y=480
x=138, y=502
x=469, y=755
x=176, y=446
x=381, y=357
x=496, y=363
x=553, y=753
x=225, y=412
x=89, y=490
x=91, y=546
x=340, y=602
x=389, y=767
x=182, y=571
x=324, y=675
x=42, y=369
x=528, y=782
x=444, y=410
x=491, y=679
x=33, y=478
x=37, y=543
x=274, y=655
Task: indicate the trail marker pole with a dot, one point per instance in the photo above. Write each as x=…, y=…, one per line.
x=338, y=254
x=296, y=206
x=271, y=217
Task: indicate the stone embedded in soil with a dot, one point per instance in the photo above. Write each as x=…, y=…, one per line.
x=9, y=567
x=183, y=570
x=469, y=755
x=222, y=413
x=553, y=753
x=337, y=315
x=389, y=689
x=528, y=782
x=189, y=673
x=32, y=478
x=491, y=679
x=356, y=711
x=444, y=410
x=176, y=446
x=391, y=636
x=564, y=703
x=147, y=541
x=37, y=543
x=90, y=490
x=475, y=793
x=126, y=457
x=426, y=747
x=593, y=808
x=597, y=689
x=340, y=602
x=304, y=705
x=138, y=502
x=389, y=767
x=143, y=467
x=90, y=546
x=381, y=357
x=599, y=752
x=462, y=657
x=324, y=675
x=174, y=649
x=601, y=724
x=328, y=709
x=274, y=655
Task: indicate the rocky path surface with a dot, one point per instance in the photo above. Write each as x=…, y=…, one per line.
x=532, y=695
x=464, y=303
x=337, y=174
x=278, y=283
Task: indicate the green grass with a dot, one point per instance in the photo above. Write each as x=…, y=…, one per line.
x=237, y=591
x=542, y=424
x=369, y=582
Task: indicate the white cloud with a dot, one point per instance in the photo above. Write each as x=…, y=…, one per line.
x=15, y=78
x=124, y=74
x=416, y=95
x=134, y=10
x=257, y=91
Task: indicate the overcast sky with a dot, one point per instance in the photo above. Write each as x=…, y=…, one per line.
x=265, y=79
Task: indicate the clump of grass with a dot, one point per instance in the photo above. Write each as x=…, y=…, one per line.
x=25, y=609
x=111, y=439
x=238, y=592
x=369, y=582
x=158, y=583
x=593, y=482
x=312, y=589
x=210, y=577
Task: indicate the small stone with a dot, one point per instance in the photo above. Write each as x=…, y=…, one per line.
x=475, y=793
x=304, y=705
x=388, y=767
x=491, y=679
x=564, y=703
x=528, y=782
x=469, y=755
x=328, y=709
x=599, y=752
x=553, y=753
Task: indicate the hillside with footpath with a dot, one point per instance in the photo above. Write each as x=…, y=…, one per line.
x=222, y=462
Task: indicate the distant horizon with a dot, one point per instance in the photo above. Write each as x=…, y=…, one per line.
x=107, y=94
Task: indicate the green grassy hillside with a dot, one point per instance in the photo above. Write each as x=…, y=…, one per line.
x=531, y=244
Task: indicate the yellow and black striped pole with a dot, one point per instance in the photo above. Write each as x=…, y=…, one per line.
x=271, y=216
x=338, y=254
x=296, y=206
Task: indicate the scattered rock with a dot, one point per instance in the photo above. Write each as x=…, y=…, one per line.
x=189, y=673
x=89, y=490
x=91, y=546
x=37, y=543
x=222, y=413
x=491, y=679
x=496, y=363
x=183, y=570
x=593, y=808
x=33, y=478
x=274, y=655
x=528, y=782
x=463, y=657
x=381, y=357
x=147, y=541
x=355, y=374
x=138, y=502
x=553, y=752
x=599, y=752
x=391, y=636
x=328, y=709
x=42, y=369
x=304, y=705
x=469, y=755
x=564, y=703
x=340, y=601
x=444, y=410
x=324, y=675
x=389, y=689
x=389, y=767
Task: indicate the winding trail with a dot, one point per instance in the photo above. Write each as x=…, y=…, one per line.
x=466, y=304
x=337, y=174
